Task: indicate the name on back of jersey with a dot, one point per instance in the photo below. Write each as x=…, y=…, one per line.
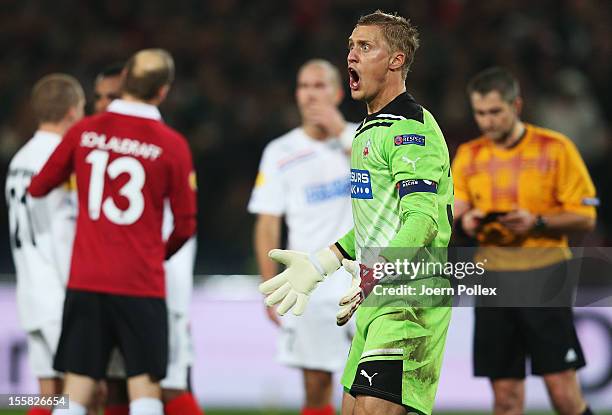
x=361, y=185
x=127, y=146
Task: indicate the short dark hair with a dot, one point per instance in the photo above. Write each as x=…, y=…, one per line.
x=144, y=81
x=399, y=33
x=114, y=69
x=495, y=79
x=53, y=95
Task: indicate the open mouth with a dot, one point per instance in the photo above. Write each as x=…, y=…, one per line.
x=353, y=79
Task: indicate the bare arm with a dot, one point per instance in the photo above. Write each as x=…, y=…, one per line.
x=569, y=222
x=522, y=222
x=267, y=237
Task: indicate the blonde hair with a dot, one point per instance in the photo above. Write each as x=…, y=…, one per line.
x=398, y=32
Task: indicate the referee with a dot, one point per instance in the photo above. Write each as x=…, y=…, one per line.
x=522, y=186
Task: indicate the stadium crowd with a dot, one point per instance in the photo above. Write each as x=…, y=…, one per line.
x=236, y=61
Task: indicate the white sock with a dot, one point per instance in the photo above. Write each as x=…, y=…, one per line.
x=146, y=406
x=74, y=408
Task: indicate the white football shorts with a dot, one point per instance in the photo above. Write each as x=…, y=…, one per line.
x=42, y=345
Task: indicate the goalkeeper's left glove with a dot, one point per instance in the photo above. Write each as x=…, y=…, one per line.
x=294, y=285
x=363, y=283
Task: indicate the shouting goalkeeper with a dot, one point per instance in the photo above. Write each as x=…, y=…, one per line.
x=401, y=191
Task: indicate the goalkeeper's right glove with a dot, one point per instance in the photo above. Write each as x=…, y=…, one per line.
x=294, y=285
x=363, y=283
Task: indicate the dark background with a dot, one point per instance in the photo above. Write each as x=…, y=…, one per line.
x=236, y=62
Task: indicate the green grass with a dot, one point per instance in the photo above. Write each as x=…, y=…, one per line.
x=275, y=412
x=272, y=412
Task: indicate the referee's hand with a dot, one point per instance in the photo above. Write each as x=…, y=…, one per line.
x=520, y=222
x=470, y=221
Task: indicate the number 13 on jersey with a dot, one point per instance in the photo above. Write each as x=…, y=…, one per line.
x=131, y=190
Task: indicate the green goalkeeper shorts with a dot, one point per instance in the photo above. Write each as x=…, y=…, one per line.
x=397, y=354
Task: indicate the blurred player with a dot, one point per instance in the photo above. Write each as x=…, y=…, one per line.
x=107, y=87
x=127, y=162
x=536, y=182
x=402, y=196
x=177, y=398
x=317, y=210
x=42, y=230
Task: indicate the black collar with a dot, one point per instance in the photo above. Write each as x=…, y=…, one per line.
x=403, y=105
x=517, y=142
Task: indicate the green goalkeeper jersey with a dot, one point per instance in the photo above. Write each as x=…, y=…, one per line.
x=402, y=196
x=399, y=167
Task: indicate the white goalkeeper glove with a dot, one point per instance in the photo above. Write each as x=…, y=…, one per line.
x=353, y=297
x=293, y=286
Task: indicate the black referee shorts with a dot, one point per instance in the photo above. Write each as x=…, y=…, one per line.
x=505, y=337
x=94, y=323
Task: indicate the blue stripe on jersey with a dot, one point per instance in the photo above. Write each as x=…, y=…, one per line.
x=405, y=187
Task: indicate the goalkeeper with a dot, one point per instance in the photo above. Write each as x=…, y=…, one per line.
x=401, y=191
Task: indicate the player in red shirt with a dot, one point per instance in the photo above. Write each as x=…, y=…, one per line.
x=177, y=396
x=126, y=162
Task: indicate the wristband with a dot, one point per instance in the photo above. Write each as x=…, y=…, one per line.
x=540, y=224
x=325, y=261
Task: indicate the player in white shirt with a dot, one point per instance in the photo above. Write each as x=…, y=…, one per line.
x=42, y=230
x=176, y=393
x=304, y=177
x=179, y=286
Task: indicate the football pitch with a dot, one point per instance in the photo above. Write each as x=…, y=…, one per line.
x=278, y=412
